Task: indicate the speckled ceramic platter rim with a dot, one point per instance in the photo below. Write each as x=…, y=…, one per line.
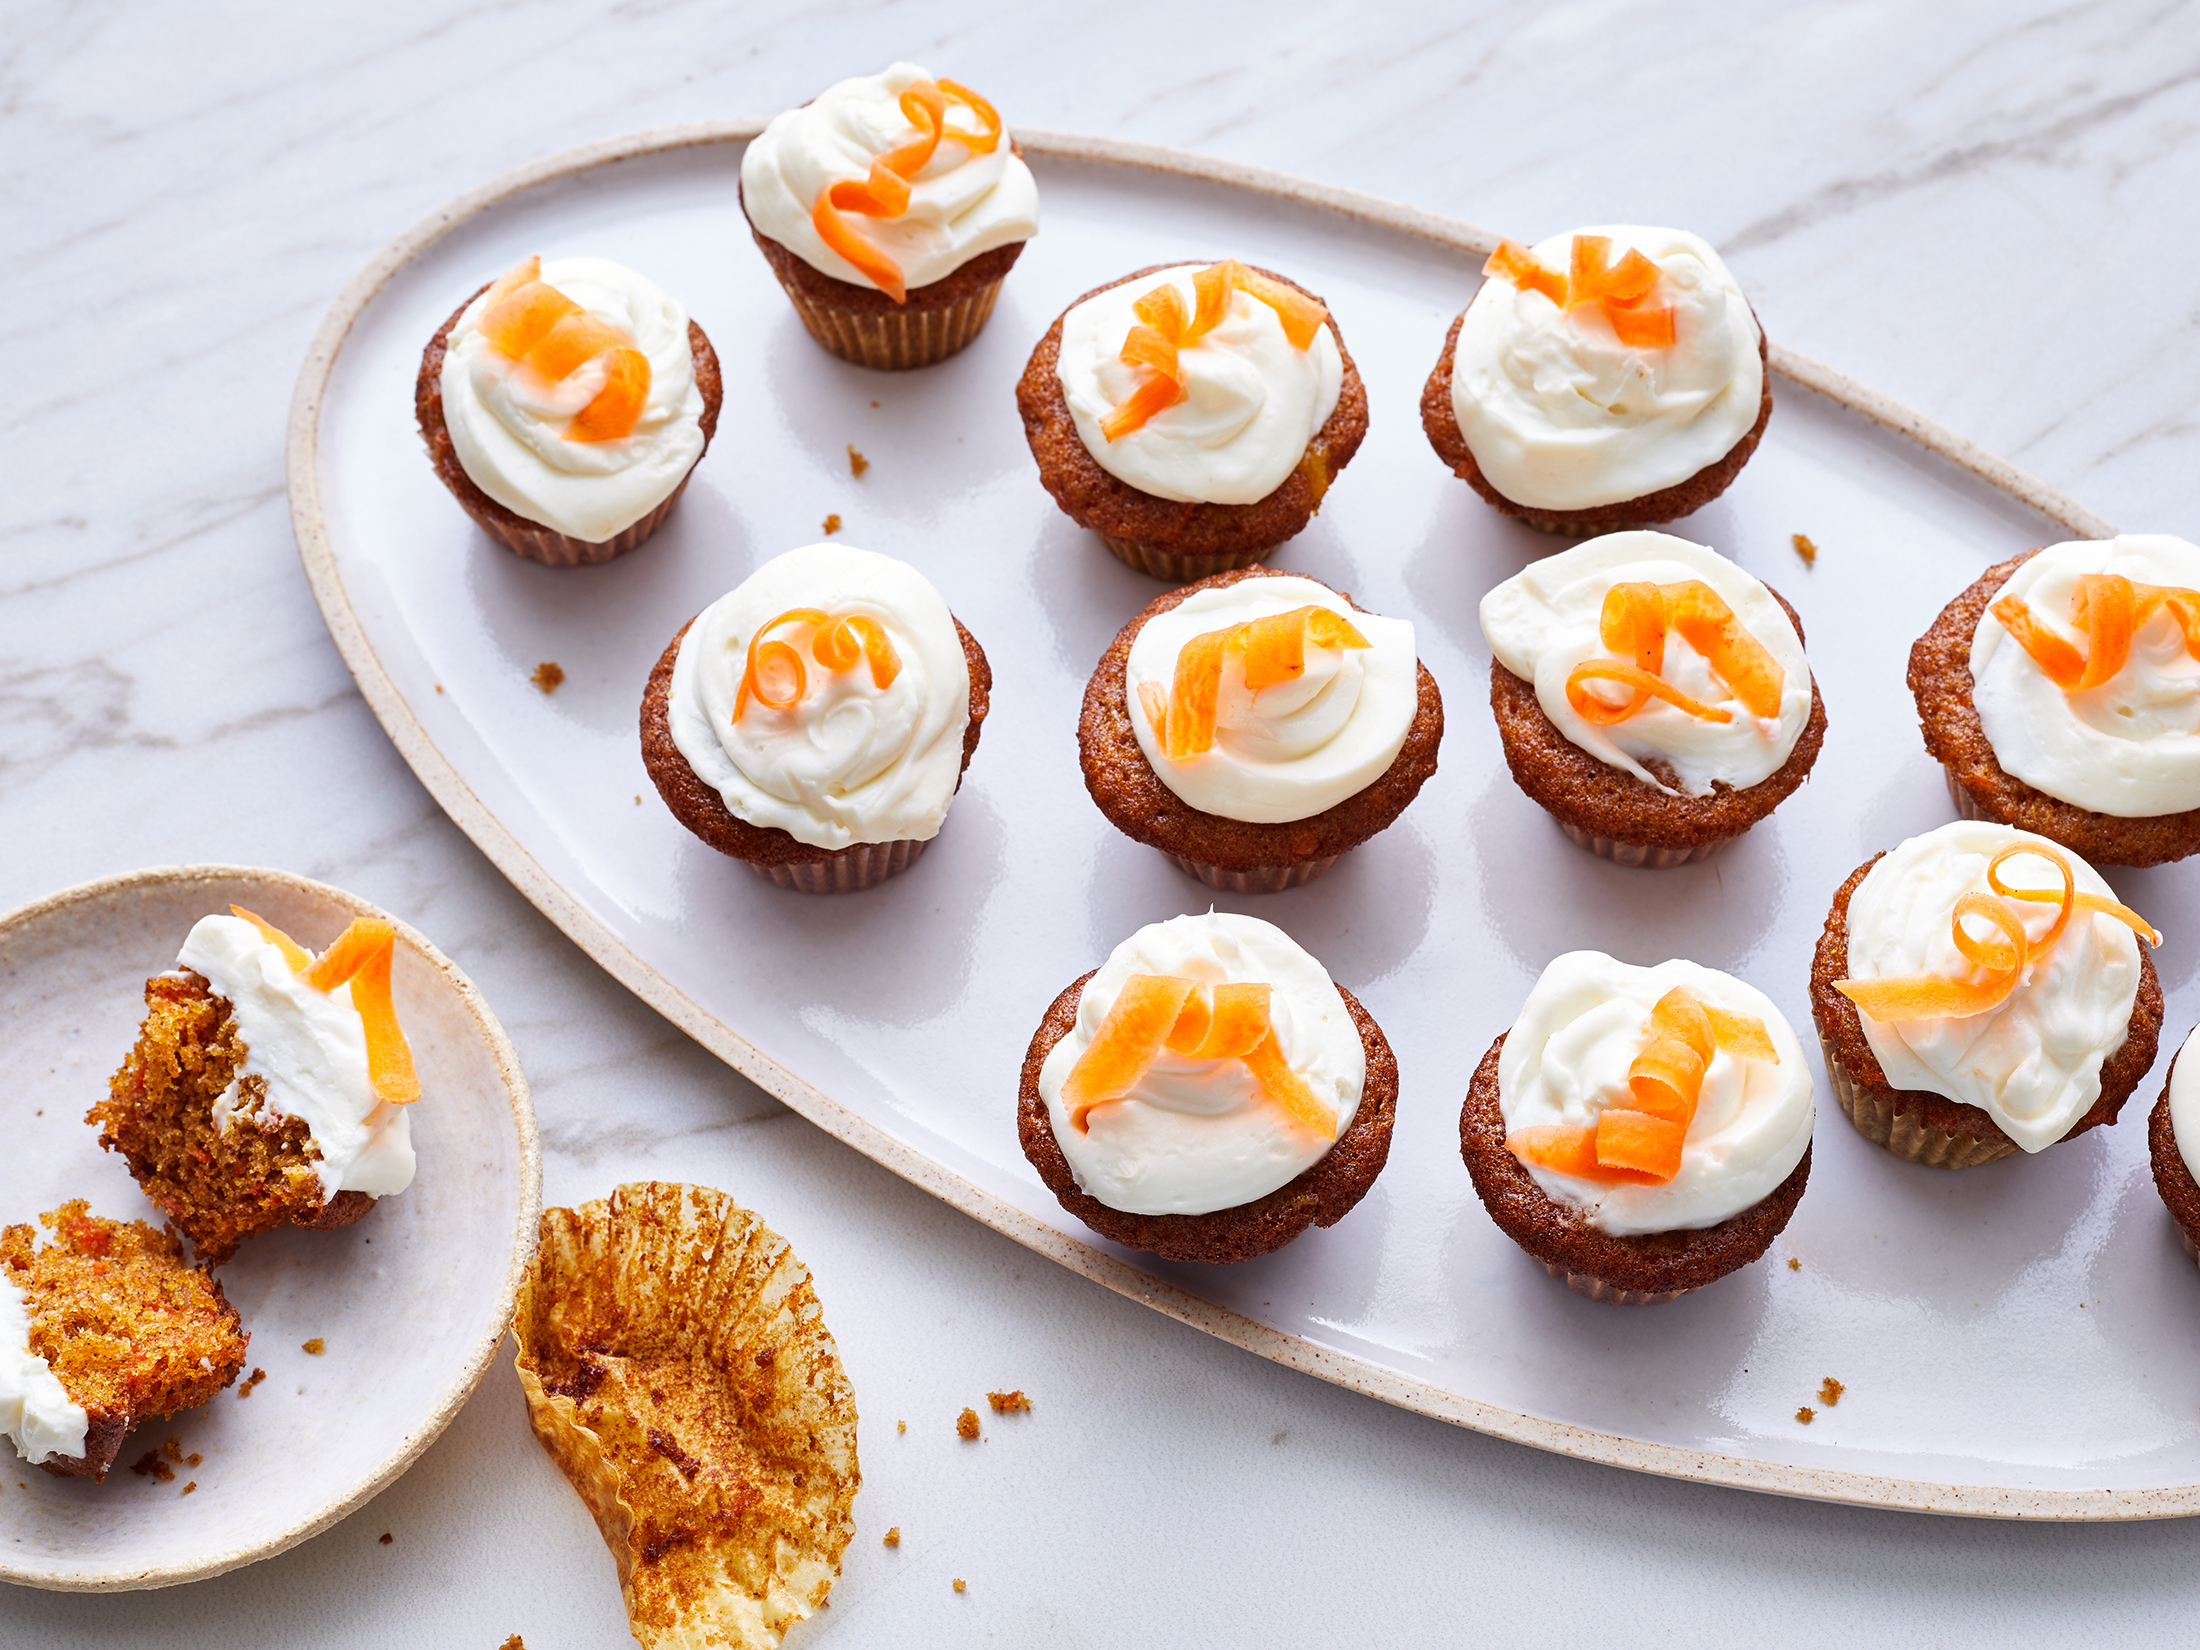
x=468, y=1376
x=458, y=800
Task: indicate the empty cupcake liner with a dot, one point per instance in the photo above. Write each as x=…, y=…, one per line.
x=896, y=340
x=1640, y=855
x=1902, y=1133
x=1258, y=879
x=848, y=871
x=1596, y=1289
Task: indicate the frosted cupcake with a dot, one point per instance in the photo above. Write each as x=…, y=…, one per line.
x=1257, y=725
x=1640, y=1131
x=565, y=405
x=1611, y=377
x=1193, y=415
x=890, y=207
x=1207, y=1093
x=2173, y=1143
x=815, y=722
x=1651, y=696
x=2061, y=692
x=1979, y=991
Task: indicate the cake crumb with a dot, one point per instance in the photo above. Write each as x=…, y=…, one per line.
x=832, y=525
x=857, y=463
x=549, y=676
x=316, y=1346
x=193, y=1459
x=172, y=1448
x=1007, y=1403
x=150, y=1465
x=1804, y=548
x=1794, y=1265
x=439, y=687
x=387, y=1538
x=892, y=1537
x=874, y=403
x=515, y=1642
x=188, y=1488
x=1806, y=1415
x=966, y=1424
x=901, y=1426
x=1829, y=1391
x=958, y=1584
x=250, y=1381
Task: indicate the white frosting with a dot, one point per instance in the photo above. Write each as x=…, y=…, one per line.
x=960, y=204
x=2184, y=1104
x=850, y=762
x=35, y=1410
x=2130, y=747
x=1560, y=415
x=1565, y=1063
x=1252, y=399
x=1294, y=748
x=310, y=1048
x=2034, y=1063
x=1544, y=620
x=508, y=422
x=1198, y=1135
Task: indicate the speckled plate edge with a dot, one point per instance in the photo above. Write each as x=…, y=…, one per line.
x=490, y=835
x=524, y=1231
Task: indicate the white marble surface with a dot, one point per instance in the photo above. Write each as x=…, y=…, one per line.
x=1984, y=211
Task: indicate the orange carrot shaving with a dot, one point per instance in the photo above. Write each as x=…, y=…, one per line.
x=520, y=320
x=527, y=269
x=1642, y=329
x=389, y=1056
x=1592, y=278
x=852, y=636
x=575, y=340
x=1567, y=1148
x=534, y=322
x=1289, y=1090
x=1636, y=617
x=774, y=676
x=1164, y=330
x=2109, y=610
x=1515, y=263
x=1592, y=709
x=885, y=193
x=1269, y=650
x=349, y=953
x=1637, y=1143
x=1741, y=1034
x=617, y=407
x=987, y=137
x=294, y=954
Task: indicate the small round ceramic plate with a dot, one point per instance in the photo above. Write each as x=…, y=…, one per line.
x=407, y=1306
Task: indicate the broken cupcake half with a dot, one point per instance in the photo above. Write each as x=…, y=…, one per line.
x=267, y=1085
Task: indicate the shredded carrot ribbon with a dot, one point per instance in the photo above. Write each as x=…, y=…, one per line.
x=885, y=193
x=1163, y=329
x=1202, y=1022
x=1272, y=650
x=1636, y=618
x=2001, y=961
x=1642, y=1142
x=534, y=322
x=1592, y=278
x=362, y=956
x=774, y=677
x=2109, y=610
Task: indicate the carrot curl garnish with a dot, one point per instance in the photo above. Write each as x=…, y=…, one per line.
x=885, y=193
x=362, y=956
x=1618, y=290
x=1231, y=1021
x=294, y=954
x=1163, y=329
x=774, y=676
x=1269, y=651
x=1636, y=619
x=534, y=322
x=2000, y=962
x=2109, y=610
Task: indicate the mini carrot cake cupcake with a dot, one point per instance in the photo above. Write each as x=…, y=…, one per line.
x=1194, y=415
x=2062, y=694
x=1207, y=1093
x=890, y=207
x=1613, y=377
x=1640, y=1131
x=1978, y=991
x=267, y=1085
x=104, y=1327
x=1256, y=725
x=1651, y=696
x=565, y=405
x=815, y=722
x=2173, y=1142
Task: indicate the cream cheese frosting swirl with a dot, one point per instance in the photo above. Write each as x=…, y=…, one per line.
x=1565, y=1062
x=2034, y=1062
x=508, y=422
x=2184, y=1103
x=1198, y=1135
x=1560, y=415
x=1252, y=401
x=310, y=1049
x=36, y=1412
x=960, y=204
x=2129, y=747
x=850, y=762
x=1292, y=749
x=1545, y=620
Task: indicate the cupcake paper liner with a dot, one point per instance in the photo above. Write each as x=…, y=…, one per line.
x=1596, y=1289
x=849, y=871
x=900, y=340
x=1906, y=1135
x=555, y=549
x=1640, y=855
x=1165, y=564
x=2191, y=1248
x=1259, y=879
x=1966, y=804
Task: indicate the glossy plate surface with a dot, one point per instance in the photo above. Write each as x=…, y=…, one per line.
x=2015, y=1340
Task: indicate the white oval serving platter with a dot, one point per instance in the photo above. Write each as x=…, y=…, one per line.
x=409, y=1304
x=2014, y=1341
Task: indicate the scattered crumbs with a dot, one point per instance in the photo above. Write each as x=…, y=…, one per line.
x=315, y=1346
x=193, y=1459
x=637, y=800
x=387, y=1538
x=150, y=1465
x=874, y=403
x=1804, y=548
x=958, y=1584
x=549, y=676
x=901, y=1426
x=1829, y=1391
x=188, y=1488
x=41, y=1111
x=172, y=1448
x=1794, y=1265
x=250, y=1381
x=857, y=463
x=515, y=1642
x=966, y=1424
x=439, y=687
x=892, y=1537
x=1009, y=1403
x=832, y=525
x=1806, y=1415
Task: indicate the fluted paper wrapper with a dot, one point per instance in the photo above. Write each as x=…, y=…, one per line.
x=555, y=549
x=849, y=871
x=898, y=340
x=1596, y=1289
x=1906, y=1136
x=1640, y=855
x=1166, y=564
x=1965, y=804
x=1258, y=879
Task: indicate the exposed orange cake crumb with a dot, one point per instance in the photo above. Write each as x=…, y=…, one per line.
x=832, y=525
x=316, y=1346
x=857, y=463
x=1806, y=1415
x=549, y=676
x=1804, y=548
x=1794, y=1265
x=1829, y=1391
x=966, y=1424
x=958, y=1584
x=1005, y=1403
x=892, y=1537
x=251, y=1381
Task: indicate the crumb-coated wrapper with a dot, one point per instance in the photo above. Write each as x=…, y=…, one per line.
x=1930, y=1129
x=1440, y=421
x=677, y=1368
x=774, y=854
x=1642, y=1269
x=2172, y=1178
x=1940, y=679
x=1237, y=856
x=1319, y=1196
x=1162, y=537
x=515, y=532
x=1614, y=814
